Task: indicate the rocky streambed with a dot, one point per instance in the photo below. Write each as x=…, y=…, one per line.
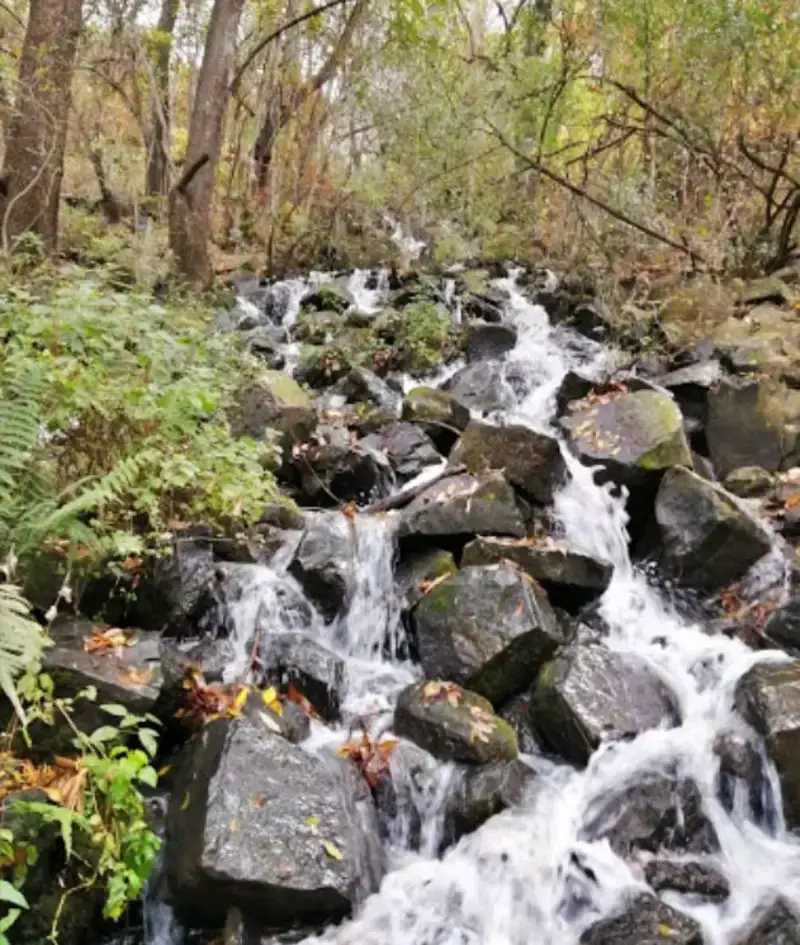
x=533, y=634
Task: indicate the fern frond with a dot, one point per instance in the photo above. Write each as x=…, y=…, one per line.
x=21, y=641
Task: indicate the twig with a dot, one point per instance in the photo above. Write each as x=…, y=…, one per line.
x=190, y=173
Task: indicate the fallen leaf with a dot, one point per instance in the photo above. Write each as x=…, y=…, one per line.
x=164, y=770
x=312, y=821
x=425, y=587
x=293, y=694
x=270, y=723
x=332, y=850
x=258, y=800
x=349, y=510
x=270, y=699
x=446, y=690
x=239, y=701
x=136, y=676
x=109, y=639
x=185, y=801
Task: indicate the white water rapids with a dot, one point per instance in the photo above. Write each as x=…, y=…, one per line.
x=510, y=882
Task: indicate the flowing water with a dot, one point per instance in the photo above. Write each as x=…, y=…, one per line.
x=521, y=879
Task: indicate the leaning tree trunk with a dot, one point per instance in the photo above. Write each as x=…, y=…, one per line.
x=191, y=199
x=158, y=157
x=37, y=131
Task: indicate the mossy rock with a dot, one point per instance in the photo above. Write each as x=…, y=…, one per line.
x=694, y=312
x=440, y=414
x=273, y=400
x=454, y=724
x=318, y=328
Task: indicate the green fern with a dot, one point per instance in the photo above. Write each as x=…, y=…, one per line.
x=21, y=641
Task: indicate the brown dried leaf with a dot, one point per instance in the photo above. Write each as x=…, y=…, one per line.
x=108, y=639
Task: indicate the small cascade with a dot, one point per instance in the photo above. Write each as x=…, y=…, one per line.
x=368, y=289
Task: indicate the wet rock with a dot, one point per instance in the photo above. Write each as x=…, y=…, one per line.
x=767, y=289
x=361, y=384
x=328, y=298
x=439, y=413
x=740, y=767
x=768, y=696
x=689, y=878
x=487, y=305
x=265, y=342
x=318, y=328
x=407, y=447
x=707, y=539
x=645, y=921
x=486, y=340
x=250, y=817
x=690, y=386
x=651, y=813
x=337, y=468
x=589, y=318
x=545, y=560
x=317, y=672
x=453, y=724
x=635, y=435
x=783, y=626
x=517, y=712
x=749, y=482
x=464, y=505
x=324, y=562
x=421, y=568
x=273, y=401
x=483, y=792
x=740, y=429
x=573, y=387
x=481, y=386
x=488, y=628
x=589, y=695
x=777, y=926
x=695, y=312
x=530, y=461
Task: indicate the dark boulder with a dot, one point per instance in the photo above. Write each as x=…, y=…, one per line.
x=453, y=724
x=690, y=386
x=328, y=298
x=439, y=413
x=546, y=560
x=589, y=695
x=517, y=712
x=740, y=772
x=633, y=435
x=687, y=877
x=645, y=921
x=768, y=696
x=314, y=670
x=778, y=925
x=749, y=482
x=783, y=626
x=707, y=539
x=653, y=812
x=261, y=824
x=419, y=569
x=407, y=447
x=530, y=461
x=273, y=401
x=337, y=468
x=324, y=563
x=486, y=340
x=361, y=384
x=481, y=386
x=487, y=304
x=488, y=628
x=483, y=792
x=740, y=430
x=464, y=505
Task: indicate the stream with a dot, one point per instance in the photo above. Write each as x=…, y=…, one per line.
x=528, y=876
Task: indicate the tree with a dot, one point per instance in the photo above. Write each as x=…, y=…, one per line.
x=37, y=131
x=158, y=152
x=191, y=199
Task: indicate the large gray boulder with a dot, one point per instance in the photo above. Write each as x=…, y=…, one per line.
x=768, y=696
x=690, y=877
x=438, y=412
x=274, y=401
x=487, y=628
x=544, y=559
x=316, y=672
x=489, y=340
x=481, y=386
x=740, y=429
x=645, y=921
x=777, y=925
x=707, y=538
x=407, y=447
x=633, y=435
x=261, y=824
x=482, y=792
x=453, y=724
x=589, y=695
x=783, y=626
x=654, y=812
x=464, y=505
x=530, y=461
x=324, y=562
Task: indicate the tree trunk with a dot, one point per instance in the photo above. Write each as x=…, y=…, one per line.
x=191, y=199
x=158, y=157
x=290, y=103
x=37, y=132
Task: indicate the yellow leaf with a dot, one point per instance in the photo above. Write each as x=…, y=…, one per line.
x=241, y=698
x=185, y=801
x=270, y=699
x=270, y=723
x=332, y=850
x=312, y=821
x=164, y=770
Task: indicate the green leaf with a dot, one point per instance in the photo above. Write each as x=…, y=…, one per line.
x=105, y=733
x=149, y=740
x=6, y=922
x=148, y=776
x=332, y=850
x=9, y=893
x=114, y=709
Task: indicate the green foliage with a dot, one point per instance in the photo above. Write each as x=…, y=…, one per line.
x=136, y=398
x=100, y=812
